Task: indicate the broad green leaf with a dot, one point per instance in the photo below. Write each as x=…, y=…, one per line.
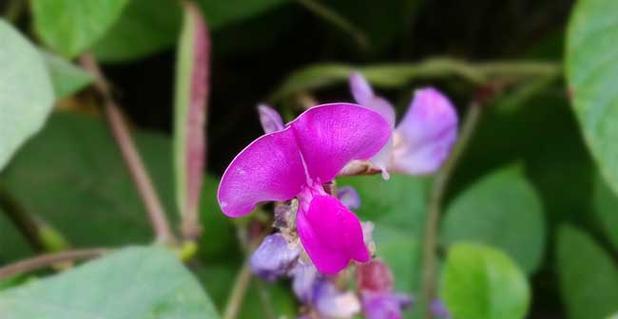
x=66, y=77
x=480, y=282
x=73, y=171
x=71, y=27
x=26, y=94
x=542, y=134
x=592, y=73
x=588, y=276
x=500, y=210
x=397, y=209
x=144, y=27
x=131, y=283
x=606, y=209
x=190, y=116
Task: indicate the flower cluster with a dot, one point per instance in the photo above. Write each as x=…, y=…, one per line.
x=318, y=234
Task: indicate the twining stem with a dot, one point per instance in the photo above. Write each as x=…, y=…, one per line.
x=393, y=75
x=434, y=206
x=131, y=156
x=244, y=276
x=24, y=222
x=47, y=260
x=337, y=20
x=239, y=290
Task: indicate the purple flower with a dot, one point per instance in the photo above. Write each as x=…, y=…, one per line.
x=384, y=305
x=423, y=139
x=304, y=278
x=270, y=119
x=375, y=282
x=321, y=294
x=332, y=303
x=274, y=257
x=438, y=309
x=349, y=197
x=294, y=163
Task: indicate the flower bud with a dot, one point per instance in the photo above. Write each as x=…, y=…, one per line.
x=274, y=257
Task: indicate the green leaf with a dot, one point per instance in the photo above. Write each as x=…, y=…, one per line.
x=144, y=27
x=26, y=94
x=480, y=282
x=588, y=277
x=190, y=112
x=131, y=283
x=71, y=27
x=592, y=75
x=606, y=209
x=542, y=133
x=397, y=208
x=66, y=77
x=500, y=210
x=73, y=171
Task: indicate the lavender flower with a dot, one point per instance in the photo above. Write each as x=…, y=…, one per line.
x=375, y=282
x=438, y=309
x=270, y=119
x=274, y=257
x=349, y=197
x=322, y=295
x=422, y=140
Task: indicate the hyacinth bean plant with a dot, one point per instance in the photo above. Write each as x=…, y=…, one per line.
x=408, y=159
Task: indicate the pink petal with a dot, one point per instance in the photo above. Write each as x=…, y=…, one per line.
x=269, y=169
x=331, y=235
x=331, y=135
x=426, y=134
x=363, y=94
x=270, y=119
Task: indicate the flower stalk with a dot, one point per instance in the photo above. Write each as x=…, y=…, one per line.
x=47, y=260
x=434, y=207
x=131, y=156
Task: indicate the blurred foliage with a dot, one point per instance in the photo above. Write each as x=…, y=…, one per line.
x=530, y=224
x=589, y=277
x=160, y=288
x=502, y=210
x=484, y=283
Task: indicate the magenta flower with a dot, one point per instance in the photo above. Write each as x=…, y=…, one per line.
x=294, y=163
x=422, y=140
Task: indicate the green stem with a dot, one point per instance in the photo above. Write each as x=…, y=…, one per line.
x=47, y=260
x=239, y=290
x=395, y=75
x=132, y=158
x=434, y=206
x=24, y=222
x=337, y=20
